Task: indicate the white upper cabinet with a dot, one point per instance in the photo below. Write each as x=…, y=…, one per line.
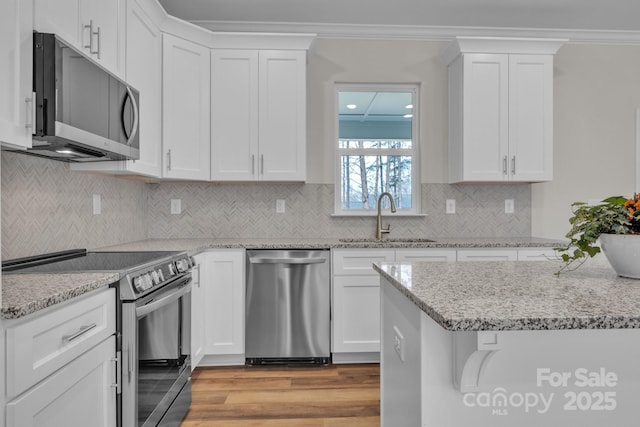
x=143, y=72
x=16, y=73
x=501, y=109
x=96, y=27
x=258, y=115
x=185, y=109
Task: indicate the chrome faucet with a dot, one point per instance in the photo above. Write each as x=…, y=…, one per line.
x=379, y=230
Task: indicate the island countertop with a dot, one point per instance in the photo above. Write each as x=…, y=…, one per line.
x=522, y=295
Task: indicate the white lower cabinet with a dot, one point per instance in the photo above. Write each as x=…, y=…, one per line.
x=356, y=304
x=356, y=290
x=61, y=365
x=222, y=277
x=80, y=394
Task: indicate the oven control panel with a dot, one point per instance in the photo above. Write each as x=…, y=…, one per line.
x=148, y=279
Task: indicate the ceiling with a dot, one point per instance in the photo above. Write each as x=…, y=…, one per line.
x=369, y=16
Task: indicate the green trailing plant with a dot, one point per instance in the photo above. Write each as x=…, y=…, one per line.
x=614, y=215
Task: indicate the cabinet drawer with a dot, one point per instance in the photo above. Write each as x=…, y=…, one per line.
x=487, y=255
x=359, y=262
x=41, y=345
x=537, y=254
x=425, y=255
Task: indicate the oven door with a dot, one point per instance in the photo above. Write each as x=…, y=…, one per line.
x=157, y=365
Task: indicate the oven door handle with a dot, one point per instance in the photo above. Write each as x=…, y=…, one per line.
x=165, y=300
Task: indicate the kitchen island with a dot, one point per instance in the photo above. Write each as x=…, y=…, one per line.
x=509, y=343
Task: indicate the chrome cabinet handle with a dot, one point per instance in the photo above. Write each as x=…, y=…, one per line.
x=513, y=165
x=253, y=164
x=83, y=330
x=97, y=52
x=504, y=165
x=117, y=362
x=169, y=160
x=90, y=28
x=91, y=34
x=261, y=164
x=31, y=111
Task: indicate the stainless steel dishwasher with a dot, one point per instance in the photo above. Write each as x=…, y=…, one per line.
x=288, y=313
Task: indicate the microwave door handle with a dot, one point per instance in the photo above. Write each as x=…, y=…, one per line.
x=134, y=126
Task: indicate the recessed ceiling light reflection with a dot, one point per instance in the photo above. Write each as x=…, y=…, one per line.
x=408, y=116
x=352, y=106
x=408, y=107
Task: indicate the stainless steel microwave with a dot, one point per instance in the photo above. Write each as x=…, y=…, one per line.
x=82, y=112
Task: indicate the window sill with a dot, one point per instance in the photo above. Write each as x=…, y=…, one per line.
x=374, y=214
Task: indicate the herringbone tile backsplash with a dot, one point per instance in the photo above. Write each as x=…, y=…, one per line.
x=46, y=207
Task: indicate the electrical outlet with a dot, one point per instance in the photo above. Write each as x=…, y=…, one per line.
x=451, y=206
x=97, y=204
x=176, y=206
x=280, y=206
x=508, y=206
x=398, y=343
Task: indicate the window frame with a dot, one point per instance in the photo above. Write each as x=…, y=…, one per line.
x=414, y=152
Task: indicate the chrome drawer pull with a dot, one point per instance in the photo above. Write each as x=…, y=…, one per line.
x=83, y=330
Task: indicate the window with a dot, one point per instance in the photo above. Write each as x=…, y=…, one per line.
x=377, y=148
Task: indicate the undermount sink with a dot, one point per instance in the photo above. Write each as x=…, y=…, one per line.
x=389, y=240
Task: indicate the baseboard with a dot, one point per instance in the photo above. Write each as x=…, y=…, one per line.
x=222, y=360
x=370, y=357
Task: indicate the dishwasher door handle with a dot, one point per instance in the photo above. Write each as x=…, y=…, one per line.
x=297, y=261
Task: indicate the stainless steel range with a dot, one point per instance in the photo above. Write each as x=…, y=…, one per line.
x=154, y=327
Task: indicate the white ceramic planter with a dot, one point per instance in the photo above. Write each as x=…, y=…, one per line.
x=623, y=253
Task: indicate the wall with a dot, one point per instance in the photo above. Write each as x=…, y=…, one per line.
x=47, y=208
x=248, y=210
x=596, y=93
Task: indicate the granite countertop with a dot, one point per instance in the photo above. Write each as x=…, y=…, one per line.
x=23, y=294
x=193, y=246
x=522, y=295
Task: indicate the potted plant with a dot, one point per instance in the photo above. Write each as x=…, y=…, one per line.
x=614, y=216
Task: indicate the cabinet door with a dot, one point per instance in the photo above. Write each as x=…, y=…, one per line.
x=185, y=109
x=198, y=310
x=80, y=394
x=61, y=17
x=143, y=62
x=234, y=115
x=485, y=117
x=282, y=122
x=530, y=117
x=16, y=84
x=359, y=262
x=223, y=280
x=356, y=314
x=102, y=32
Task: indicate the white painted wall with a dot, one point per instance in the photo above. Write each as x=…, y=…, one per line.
x=597, y=91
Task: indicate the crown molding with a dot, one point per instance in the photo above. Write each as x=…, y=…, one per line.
x=427, y=33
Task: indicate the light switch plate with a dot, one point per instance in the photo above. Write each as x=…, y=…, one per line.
x=97, y=204
x=176, y=206
x=451, y=206
x=509, y=206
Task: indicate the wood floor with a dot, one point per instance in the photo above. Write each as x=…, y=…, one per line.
x=327, y=396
